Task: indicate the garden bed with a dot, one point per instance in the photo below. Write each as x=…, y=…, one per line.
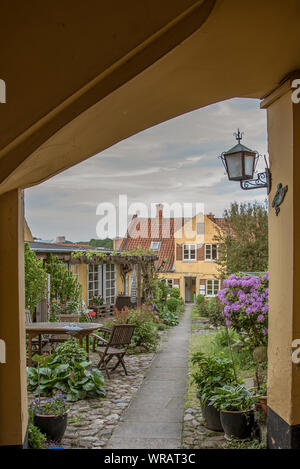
x=195, y=434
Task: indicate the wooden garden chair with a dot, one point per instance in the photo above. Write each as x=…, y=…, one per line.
x=116, y=346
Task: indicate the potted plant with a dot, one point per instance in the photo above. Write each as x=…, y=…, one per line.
x=236, y=406
x=50, y=416
x=212, y=373
x=97, y=300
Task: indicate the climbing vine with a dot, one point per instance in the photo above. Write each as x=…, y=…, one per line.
x=35, y=279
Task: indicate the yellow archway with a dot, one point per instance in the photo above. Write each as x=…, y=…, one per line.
x=81, y=77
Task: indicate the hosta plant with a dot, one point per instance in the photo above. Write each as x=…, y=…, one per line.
x=233, y=399
x=74, y=379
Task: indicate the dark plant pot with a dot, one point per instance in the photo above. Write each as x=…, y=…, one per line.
x=52, y=426
x=237, y=425
x=211, y=416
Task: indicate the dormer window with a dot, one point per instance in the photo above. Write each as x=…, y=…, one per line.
x=155, y=245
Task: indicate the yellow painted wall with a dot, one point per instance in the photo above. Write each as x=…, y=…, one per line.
x=27, y=232
x=200, y=269
x=284, y=322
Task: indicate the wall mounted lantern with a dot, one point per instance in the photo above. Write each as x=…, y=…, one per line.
x=240, y=164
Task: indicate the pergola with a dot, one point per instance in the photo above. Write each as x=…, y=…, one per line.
x=144, y=264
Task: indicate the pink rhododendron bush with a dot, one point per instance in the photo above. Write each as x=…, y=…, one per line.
x=246, y=305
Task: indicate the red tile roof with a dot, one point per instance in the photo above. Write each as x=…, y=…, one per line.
x=142, y=231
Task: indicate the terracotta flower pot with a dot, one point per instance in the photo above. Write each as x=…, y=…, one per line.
x=263, y=404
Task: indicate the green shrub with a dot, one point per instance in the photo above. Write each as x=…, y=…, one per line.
x=36, y=439
x=200, y=299
x=146, y=331
x=214, y=310
x=172, y=304
x=175, y=293
x=213, y=372
x=221, y=337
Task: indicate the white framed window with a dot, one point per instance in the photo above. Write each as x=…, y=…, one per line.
x=211, y=252
x=169, y=282
x=189, y=252
x=110, y=283
x=94, y=281
x=155, y=245
x=212, y=287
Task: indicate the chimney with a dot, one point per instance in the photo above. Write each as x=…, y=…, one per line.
x=60, y=239
x=159, y=211
x=159, y=216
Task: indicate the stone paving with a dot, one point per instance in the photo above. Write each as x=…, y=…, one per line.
x=154, y=418
x=92, y=421
x=195, y=435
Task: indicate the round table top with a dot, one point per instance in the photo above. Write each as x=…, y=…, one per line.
x=62, y=327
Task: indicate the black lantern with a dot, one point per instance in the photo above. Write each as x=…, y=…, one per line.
x=240, y=163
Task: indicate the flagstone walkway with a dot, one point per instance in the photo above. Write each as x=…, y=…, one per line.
x=154, y=418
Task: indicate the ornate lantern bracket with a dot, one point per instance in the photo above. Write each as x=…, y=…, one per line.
x=262, y=180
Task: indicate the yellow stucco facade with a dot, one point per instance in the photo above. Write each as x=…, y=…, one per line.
x=191, y=275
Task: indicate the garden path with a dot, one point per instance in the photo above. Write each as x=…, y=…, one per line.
x=154, y=418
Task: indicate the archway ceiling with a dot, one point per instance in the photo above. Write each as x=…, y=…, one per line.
x=81, y=76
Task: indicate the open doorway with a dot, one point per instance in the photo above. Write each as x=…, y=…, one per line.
x=189, y=289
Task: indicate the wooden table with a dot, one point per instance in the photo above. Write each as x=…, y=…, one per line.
x=38, y=328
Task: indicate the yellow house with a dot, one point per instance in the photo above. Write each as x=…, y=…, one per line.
x=185, y=248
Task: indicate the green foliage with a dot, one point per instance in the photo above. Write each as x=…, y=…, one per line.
x=68, y=352
x=211, y=308
x=73, y=379
x=172, y=304
x=146, y=331
x=54, y=406
x=243, y=247
x=35, y=279
x=249, y=444
x=214, y=309
x=200, y=300
x=233, y=399
x=174, y=293
x=221, y=337
x=212, y=373
x=36, y=439
x=169, y=317
x=65, y=289
x=161, y=293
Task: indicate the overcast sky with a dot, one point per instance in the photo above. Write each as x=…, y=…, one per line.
x=172, y=162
